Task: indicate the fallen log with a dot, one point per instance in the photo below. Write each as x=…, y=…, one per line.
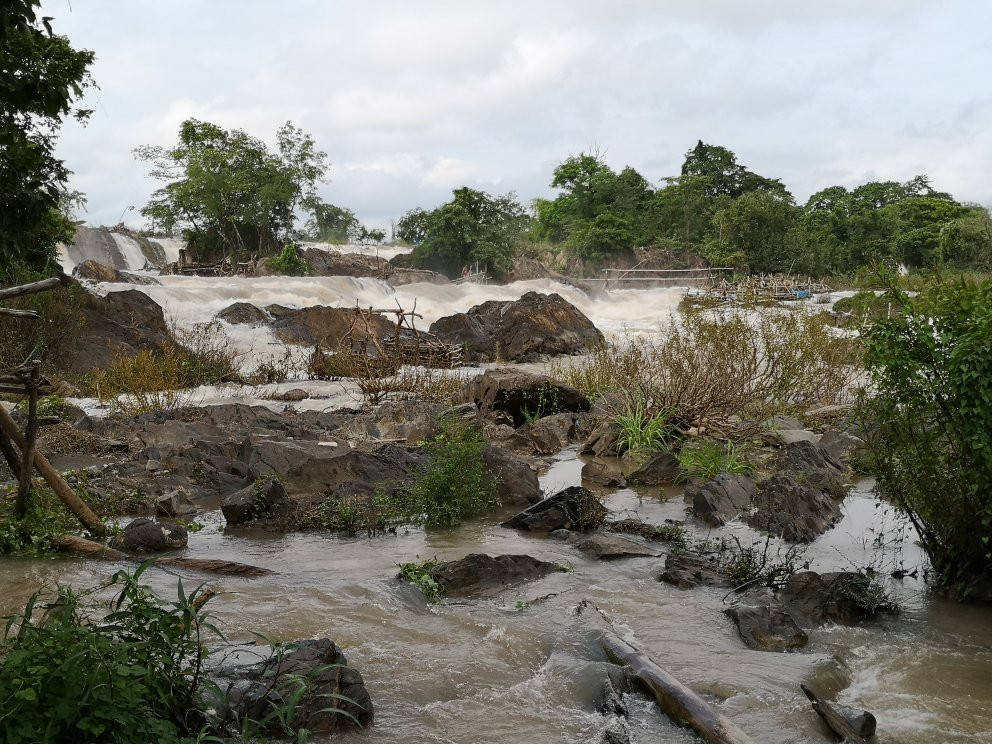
x=91, y=549
x=677, y=701
x=838, y=723
x=33, y=288
x=70, y=498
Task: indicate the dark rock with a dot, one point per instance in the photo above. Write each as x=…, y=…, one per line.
x=719, y=500
x=483, y=575
x=575, y=508
x=294, y=395
x=326, y=326
x=602, y=441
x=792, y=510
x=518, y=481
x=600, y=473
x=837, y=597
x=522, y=330
x=839, y=445
x=663, y=468
x=515, y=392
x=254, y=692
x=334, y=263
x=148, y=536
x=174, y=504
x=764, y=624
x=862, y=721
x=243, y=313
x=808, y=457
x=120, y=323
x=259, y=499
x=402, y=277
x=687, y=571
x=608, y=547
x=549, y=435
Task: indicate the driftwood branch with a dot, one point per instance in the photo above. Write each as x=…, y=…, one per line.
x=677, y=701
x=834, y=720
x=33, y=288
x=19, y=313
x=70, y=498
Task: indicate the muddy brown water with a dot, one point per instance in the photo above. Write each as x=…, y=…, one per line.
x=485, y=671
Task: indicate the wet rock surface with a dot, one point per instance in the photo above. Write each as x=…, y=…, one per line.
x=687, y=571
x=574, y=508
x=148, y=536
x=519, y=394
x=525, y=330
x=95, y=271
x=721, y=499
x=326, y=326
x=788, y=508
x=255, y=690
x=244, y=313
x=606, y=546
x=479, y=574
x=663, y=468
x=764, y=624
x=258, y=499
x=835, y=597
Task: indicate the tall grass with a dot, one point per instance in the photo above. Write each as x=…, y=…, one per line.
x=706, y=458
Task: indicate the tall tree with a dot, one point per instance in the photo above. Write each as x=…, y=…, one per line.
x=41, y=78
x=723, y=175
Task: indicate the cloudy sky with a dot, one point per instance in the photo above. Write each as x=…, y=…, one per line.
x=412, y=99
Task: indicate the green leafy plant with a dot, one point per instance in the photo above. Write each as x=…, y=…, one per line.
x=642, y=433
x=421, y=574
x=290, y=263
x=707, y=458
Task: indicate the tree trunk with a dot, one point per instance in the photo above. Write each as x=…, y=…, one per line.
x=30, y=434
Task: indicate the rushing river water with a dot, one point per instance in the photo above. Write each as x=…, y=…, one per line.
x=484, y=671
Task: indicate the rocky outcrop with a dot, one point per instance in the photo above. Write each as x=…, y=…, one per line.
x=402, y=277
x=120, y=323
x=118, y=250
x=243, y=313
x=719, y=500
x=793, y=510
x=575, y=508
x=483, y=575
x=326, y=326
x=687, y=571
x=764, y=624
x=518, y=482
x=259, y=499
x=523, y=395
x=837, y=597
x=663, y=468
x=333, y=263
x=254, y=692
x=606, y=547
x=95, y=271
x=549, y=435
x=148, y=536
x=524, y=330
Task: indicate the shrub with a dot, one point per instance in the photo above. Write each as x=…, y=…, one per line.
x=455, y=483
x=716, y=364
x=46, y=338
x=290, y=263
x=928, y=414
x=640, y=433
x=707, y=458
x=39, y=530
x=421, y=575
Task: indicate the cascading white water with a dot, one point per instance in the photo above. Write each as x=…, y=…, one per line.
x=131, y=251
x=171, y=247
x=386, y=252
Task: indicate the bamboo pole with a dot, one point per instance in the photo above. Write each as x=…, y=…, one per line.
x=10, y=455
x=27, y=452
x=80, y=510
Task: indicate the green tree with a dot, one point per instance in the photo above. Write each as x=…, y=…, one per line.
x=41, y=78
x=330, y=224
x=472, y=227
x=723, y=175
x=929, y=419
x=226, y=191
x=412, y=227
x=758, y=226
x=966, y=242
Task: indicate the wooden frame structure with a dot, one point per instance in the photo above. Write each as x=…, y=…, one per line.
x=20, y=450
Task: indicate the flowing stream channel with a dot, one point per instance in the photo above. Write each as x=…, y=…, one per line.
x=493, y=671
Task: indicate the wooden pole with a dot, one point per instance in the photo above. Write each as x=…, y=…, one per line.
x=80, y=510
x=10, y=455
x=837, y=723
x=25, y=289
x=27, y=452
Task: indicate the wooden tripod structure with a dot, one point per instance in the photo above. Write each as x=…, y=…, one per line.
x=19, y=449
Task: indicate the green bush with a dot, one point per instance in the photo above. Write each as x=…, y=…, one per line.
x=928, y=414
x=707, y=458
x=290, y=263
x=455, y=483
x=642, y=434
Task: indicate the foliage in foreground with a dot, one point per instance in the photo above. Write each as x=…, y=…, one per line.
x=929, y=419
x=707, y=458
x=421, y=575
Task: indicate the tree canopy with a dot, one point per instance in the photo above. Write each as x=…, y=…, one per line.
x=473, y=227
x=228, y=193
x=41, y=78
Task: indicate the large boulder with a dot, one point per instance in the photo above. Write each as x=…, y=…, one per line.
x=549, y=435
x=483, y=575
x=661, y=469
x=257, y=500
x=523, y=395
x=95, y=271
x=764, y=624
x=120, y=323
x=518, y=482
x=402, y=277
x=258, y=691
x=148, y=536
x=333, y=263
x=719, y=500
x=793, y=510
x=687, y=571
x=836, y=597
x=524, y=330
x=605, y=546
x=326, y=326
x=243, y=313
x=574, y=508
